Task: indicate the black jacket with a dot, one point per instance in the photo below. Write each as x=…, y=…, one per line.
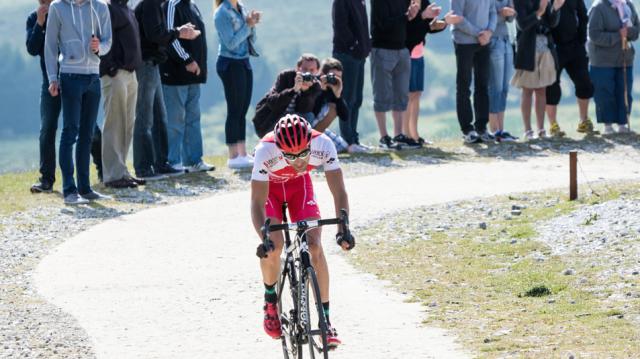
x=154, y=34
x=125, y=49
x=35, y=39
x=351, y=28
x=275, y=102
x=527, y=28
x=327, y=96
x=573, y=24
x=389, y=24
x=417, y=29
x=183, y=52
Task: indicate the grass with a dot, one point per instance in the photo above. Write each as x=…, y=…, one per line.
x=489, y=287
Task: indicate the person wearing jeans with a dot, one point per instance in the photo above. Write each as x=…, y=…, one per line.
x=71, y=47
x=500, y=69
x=237, y=38
x=607, y=31
x=470, y=39
x=351, y=46
x=181, y=76
x=50, y=106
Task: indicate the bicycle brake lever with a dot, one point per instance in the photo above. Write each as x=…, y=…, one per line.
x=266, y=233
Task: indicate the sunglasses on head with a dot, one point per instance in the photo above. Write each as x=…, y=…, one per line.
x=302, y=155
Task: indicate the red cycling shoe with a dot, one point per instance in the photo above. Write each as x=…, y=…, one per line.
x=272, y=320
x=332, y=337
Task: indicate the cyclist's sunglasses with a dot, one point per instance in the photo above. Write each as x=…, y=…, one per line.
x=302, y=155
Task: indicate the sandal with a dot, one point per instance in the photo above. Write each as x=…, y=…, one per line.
x=530, y=135
x=424, y=142
x=543, y=134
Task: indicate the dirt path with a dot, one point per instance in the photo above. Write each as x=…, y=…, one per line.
x=183, y=281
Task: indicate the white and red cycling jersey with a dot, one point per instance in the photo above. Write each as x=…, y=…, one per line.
x=270, y=164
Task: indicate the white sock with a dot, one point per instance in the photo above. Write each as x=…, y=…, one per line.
x=622, y=126
x=608, y=127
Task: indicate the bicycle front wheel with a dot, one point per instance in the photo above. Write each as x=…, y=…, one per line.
x=316, y=323
x=288, y=311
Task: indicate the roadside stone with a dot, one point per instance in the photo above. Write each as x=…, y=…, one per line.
x=507, y=217
x=433, y=304
x=482, y=225
x=568, y=272
x=551, y=301
x=516, y=212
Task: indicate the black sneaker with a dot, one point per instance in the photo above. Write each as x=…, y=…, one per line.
x=405, y=142
x=42, y=187
x=386, y=143
x=471, y=137
x=506, y=136
x=151, y=176
x=487, y=137
x=171, y=171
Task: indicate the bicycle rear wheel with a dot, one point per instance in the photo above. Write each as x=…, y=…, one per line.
x=288, y=311
x=316, y=326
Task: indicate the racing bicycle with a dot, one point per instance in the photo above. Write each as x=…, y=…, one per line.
x=302, y=324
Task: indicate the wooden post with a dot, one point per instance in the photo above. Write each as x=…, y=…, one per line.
x=573, y=174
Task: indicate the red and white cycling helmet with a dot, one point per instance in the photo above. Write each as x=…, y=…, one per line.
x=292, y=134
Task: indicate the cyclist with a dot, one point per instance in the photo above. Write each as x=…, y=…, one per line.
x=283, y=160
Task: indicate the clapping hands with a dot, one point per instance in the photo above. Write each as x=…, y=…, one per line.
x=254, y=18
x=413, y=10
x=188, y=31
x=451, y=19
x=431, y=12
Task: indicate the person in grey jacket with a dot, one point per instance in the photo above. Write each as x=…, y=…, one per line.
x=610, y=23
x=471, y=38
x=80, y=31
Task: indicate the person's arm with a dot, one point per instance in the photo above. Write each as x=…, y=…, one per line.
x=633, y=31
x=342, y=109
x=154, y=28
x=597, y=33
x=280, y=94
x=51, y=45
x=175, y=49
x=336, y=186
x=230, y=39
x=511, y=18
x=493, y=18
x=523, y=20
x=106, y=61
x=307, y=99
x=340, y=16
x=553, y=15
x=583, y=21
x=35, y=36
x=465, y=25
x=104, y=29
x=259, y=196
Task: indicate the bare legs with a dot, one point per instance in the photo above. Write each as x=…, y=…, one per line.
x=540, y=106
x=238, y=150
x=410, y=116
x=496, y=121
x=381, y=118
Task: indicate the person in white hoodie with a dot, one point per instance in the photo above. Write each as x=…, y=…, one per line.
x=78, y=32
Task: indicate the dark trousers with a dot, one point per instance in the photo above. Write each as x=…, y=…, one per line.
x=472, y=61
x=574, y=59
x=609, y=93
x=150, y=142
x=352, y=87
x=238, y=86
x=80, y=103
x=50, y=109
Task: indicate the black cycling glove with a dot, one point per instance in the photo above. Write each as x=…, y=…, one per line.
x=261, y=252
x=351, y=241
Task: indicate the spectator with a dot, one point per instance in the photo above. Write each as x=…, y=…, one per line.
x=536, y=60
x=470, y=39
x=79, y=67
x=501, y=63
x=570, y=37
x=391, y=67
x=181, y=77
x=330, y=104
x=150, y=143
x=237, y=38
x=351, y=46
x=417, y=30
x=291, y=94
x=608, y=29
x=50, y=106
x=120, y=92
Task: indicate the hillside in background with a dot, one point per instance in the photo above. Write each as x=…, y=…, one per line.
x=289, y=28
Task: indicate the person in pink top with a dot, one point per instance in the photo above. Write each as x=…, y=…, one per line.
x=417, y=29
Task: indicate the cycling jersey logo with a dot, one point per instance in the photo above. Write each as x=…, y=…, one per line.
x=317, y=154
x=280, y=158
x=311, y=203
x=272, y=161
x=264, y=172
x=331, y=160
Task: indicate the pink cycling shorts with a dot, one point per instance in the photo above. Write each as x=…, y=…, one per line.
x=298, y=193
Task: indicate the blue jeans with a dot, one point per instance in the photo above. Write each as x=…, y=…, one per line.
x=80, y=103
x=150, y=143
x=352, y=87
x=500, y=73
x=609, y=93
x=183, y=124
x=50, y=108
x=238, y=85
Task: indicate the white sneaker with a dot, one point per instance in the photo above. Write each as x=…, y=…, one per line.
x=200, y=167
x=608, y=130
x=249, y=158
x=530, y=135
x=355, y=148
x=239, y=162
x=178, y=167
x=625, y=130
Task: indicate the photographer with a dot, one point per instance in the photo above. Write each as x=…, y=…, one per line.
x=295, y=91
x=536, y=61
x=330, y=103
